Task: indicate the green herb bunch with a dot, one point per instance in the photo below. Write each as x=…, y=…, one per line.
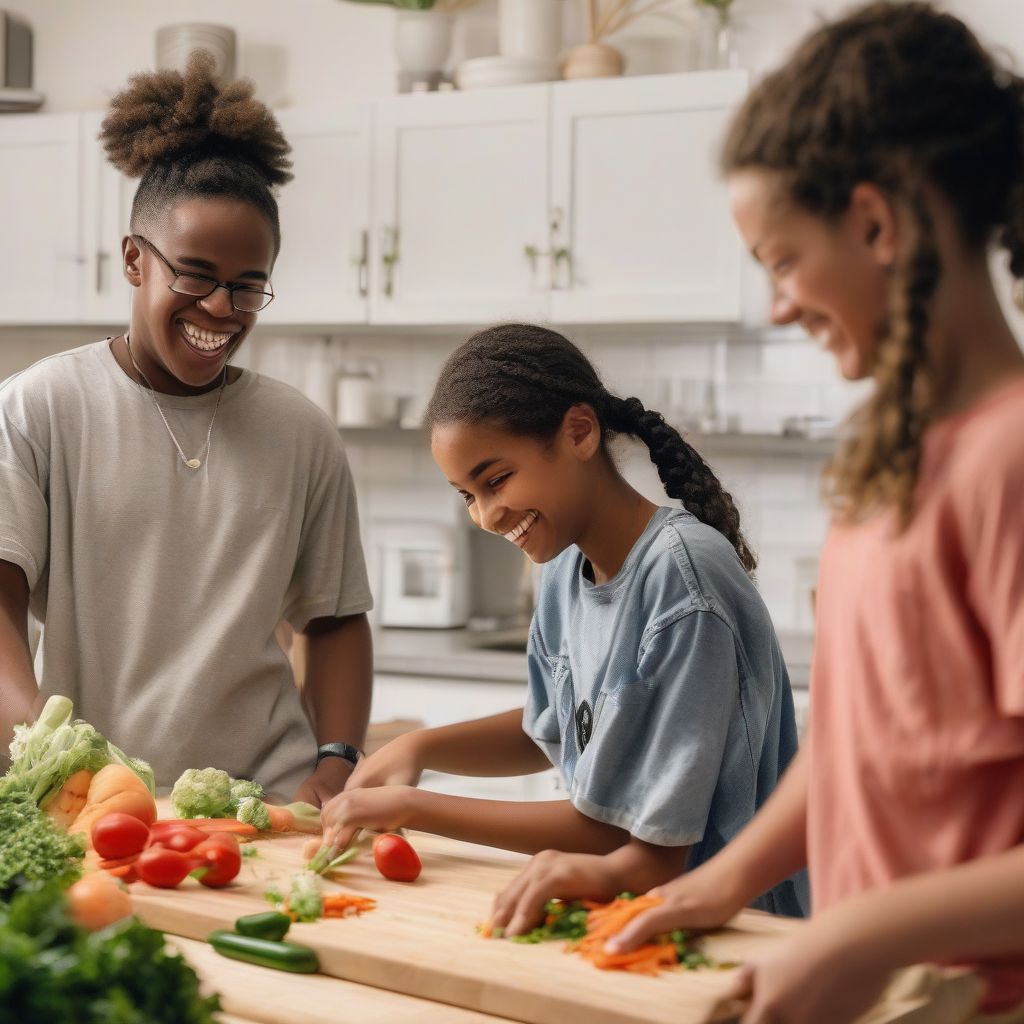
x=51, y=970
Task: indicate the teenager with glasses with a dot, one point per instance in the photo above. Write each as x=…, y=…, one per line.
x=161, y=510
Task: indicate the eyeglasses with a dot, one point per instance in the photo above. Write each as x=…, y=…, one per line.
x=244, y=297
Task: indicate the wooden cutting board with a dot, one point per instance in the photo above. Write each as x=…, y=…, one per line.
x=421, y=941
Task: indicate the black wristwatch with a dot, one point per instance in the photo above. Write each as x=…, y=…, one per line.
x=343, y=750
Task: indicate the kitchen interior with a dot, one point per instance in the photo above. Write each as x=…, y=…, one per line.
x=427, y=203
x=436, y=197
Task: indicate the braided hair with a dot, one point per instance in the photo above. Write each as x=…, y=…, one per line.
x=525, y=378
x=905, y=97
x=189, y=137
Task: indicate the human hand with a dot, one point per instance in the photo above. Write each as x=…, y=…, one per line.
x=811, y=976
x=701, y=898
x=550, y=874
x=381, y=809
x=327, y=779
x=395, y=764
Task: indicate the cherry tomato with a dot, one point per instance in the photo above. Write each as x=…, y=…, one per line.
x=219, y=860
x=395, y=858
x=163, y=868
x=181, y=838
x=118, y=835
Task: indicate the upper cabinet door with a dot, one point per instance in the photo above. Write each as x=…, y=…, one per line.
x=644, y=229
x=322, y=273
x=106, y=212
x=460, y=207
x=40, y=258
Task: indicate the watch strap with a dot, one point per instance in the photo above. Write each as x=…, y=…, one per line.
x=343, y=750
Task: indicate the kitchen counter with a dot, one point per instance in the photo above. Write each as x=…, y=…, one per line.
x=416, y=957
x=500, y=655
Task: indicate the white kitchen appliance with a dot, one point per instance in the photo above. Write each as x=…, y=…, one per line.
x=424, y=574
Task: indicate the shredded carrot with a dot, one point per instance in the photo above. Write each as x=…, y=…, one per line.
x=606, y=920
x=346, y=905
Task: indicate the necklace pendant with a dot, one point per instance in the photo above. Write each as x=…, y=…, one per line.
x=193, y=463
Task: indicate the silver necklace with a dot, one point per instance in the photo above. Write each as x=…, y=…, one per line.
x=198, y=460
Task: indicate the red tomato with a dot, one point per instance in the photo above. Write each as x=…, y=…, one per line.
x=219, y=860
x=395, y=858
x=118, y=835
x=163, y=868
x=181, y=838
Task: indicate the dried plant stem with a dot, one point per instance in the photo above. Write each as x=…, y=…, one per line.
x=604, y=19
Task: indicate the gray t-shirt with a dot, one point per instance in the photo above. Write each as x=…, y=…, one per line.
x=160, y=586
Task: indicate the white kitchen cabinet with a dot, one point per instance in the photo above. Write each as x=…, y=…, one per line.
x=446, y=701
x=322, y=273
x=644, y=232
x=107, y=196
x=41, y=257
x=460, y=200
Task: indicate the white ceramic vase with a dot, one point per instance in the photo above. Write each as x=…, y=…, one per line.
x=530, y=28
x=423, y=40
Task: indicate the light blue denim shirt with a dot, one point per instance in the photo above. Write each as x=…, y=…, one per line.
x=662, y=694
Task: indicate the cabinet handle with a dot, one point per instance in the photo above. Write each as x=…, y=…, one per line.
x=362, y=264
x=101, y=258
x=559, y=252
x=388, y=259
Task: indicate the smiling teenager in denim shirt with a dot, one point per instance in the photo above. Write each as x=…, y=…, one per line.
x=656, y=683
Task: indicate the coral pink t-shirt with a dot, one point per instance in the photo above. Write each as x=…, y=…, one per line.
x=917, y=706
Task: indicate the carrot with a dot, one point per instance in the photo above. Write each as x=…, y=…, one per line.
x=69, y=800
x=605, y=920
x=346, y=905
x=232, y=825
x=118, y=862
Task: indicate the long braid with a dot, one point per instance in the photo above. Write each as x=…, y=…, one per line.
x=684, y=474
x=878, y=462
x=526, y=378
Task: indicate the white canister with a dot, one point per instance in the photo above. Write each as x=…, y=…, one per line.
x=530, y=28
x=175, y=43
x=357, y=400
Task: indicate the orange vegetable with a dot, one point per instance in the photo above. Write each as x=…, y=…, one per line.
x=98, y=900
x=209, y=825
x=114, y=788
x=67, y=804
x=347, y=905
x=606, y=920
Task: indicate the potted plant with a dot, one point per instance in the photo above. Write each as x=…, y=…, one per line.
x=423, y=34
x=595, y=58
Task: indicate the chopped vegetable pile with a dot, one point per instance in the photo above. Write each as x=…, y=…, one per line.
x=55, y=971
x=588, y=926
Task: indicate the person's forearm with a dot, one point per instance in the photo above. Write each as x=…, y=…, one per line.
x=972, y=910
x=637, y=866
x=19, y=691
x=339, y=679
x=492, y=746
x=526, y=827
x=774, y=844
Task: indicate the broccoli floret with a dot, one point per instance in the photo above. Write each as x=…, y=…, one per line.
x=242, y=788
x=304, y=898
x=31, y=845
x=202, y=793
x=251, y=811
